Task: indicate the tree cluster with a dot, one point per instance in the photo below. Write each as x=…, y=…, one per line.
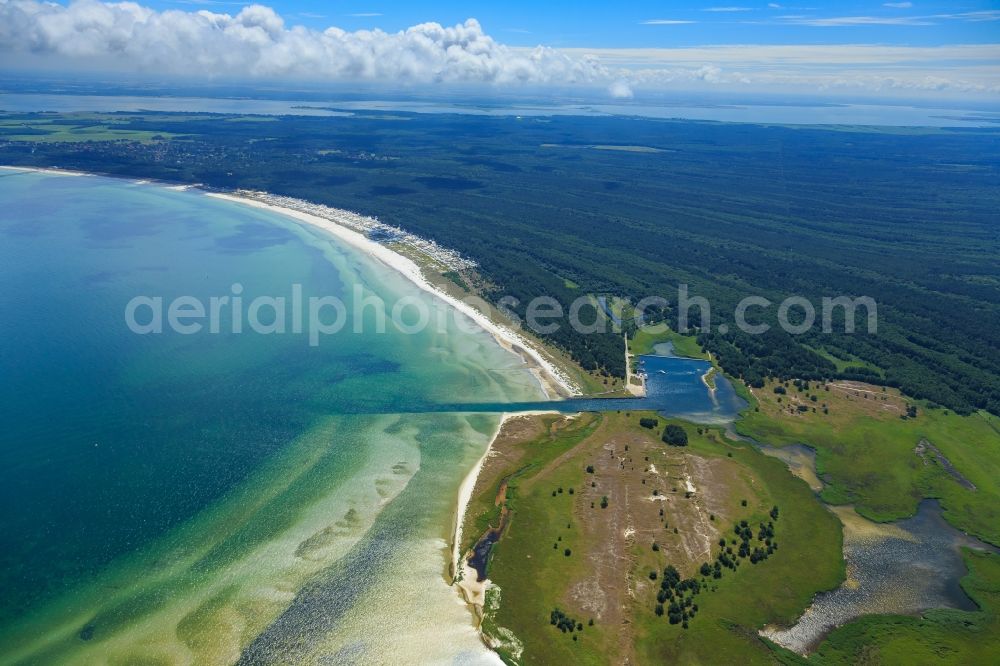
x=675, y=435
x=678, y=594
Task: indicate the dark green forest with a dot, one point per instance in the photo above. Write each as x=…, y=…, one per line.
x=564, y=206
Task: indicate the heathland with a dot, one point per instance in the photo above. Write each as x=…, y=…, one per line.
x=610, y=545
x=597, y=511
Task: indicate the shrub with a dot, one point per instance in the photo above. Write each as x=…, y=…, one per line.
x=675, y=435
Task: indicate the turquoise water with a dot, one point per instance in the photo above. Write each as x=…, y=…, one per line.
x=168, y=485
x=214, y=497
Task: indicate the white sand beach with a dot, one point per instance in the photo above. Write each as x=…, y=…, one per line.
x=53, y=171
x=464, y=496
x=464, y=576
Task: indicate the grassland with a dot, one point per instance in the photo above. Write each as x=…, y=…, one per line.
x=866, y=451
x=552, y=473
x=644, y=341
x=74, y=128
x=847, y=363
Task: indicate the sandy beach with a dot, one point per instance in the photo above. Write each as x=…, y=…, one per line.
x=553, y=382
x=463, y=576
x=465, y=494
x=52, y=171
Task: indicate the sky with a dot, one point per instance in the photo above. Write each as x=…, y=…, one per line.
x=645, y=23
x=622, y=49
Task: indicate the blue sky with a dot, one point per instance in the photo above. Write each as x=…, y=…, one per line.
x=624, y=24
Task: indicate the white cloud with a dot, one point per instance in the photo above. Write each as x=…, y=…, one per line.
x=897, y=5
x=974, y=17
x=665, y=22
x=620, y=90
x=836, y=21
x=955, y=69
x=929, y=19
x=728, y=9
x=257, y=43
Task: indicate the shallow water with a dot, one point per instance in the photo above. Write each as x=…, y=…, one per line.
x=899, y=568
x=674, y=388
x=801, y=461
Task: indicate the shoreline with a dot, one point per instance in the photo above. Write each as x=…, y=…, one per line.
x=465, y=578
x=708, y=379
x=50, y=170
x=469, y=588
x=553, y=382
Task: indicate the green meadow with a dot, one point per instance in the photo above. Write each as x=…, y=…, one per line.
x=865, y=452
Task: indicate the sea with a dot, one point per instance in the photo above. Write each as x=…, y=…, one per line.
x=225, y=496
x=165, y=497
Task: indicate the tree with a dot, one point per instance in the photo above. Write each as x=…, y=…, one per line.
x=648, y=423
x=675, y=435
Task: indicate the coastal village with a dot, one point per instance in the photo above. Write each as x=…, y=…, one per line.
x=369, y=226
